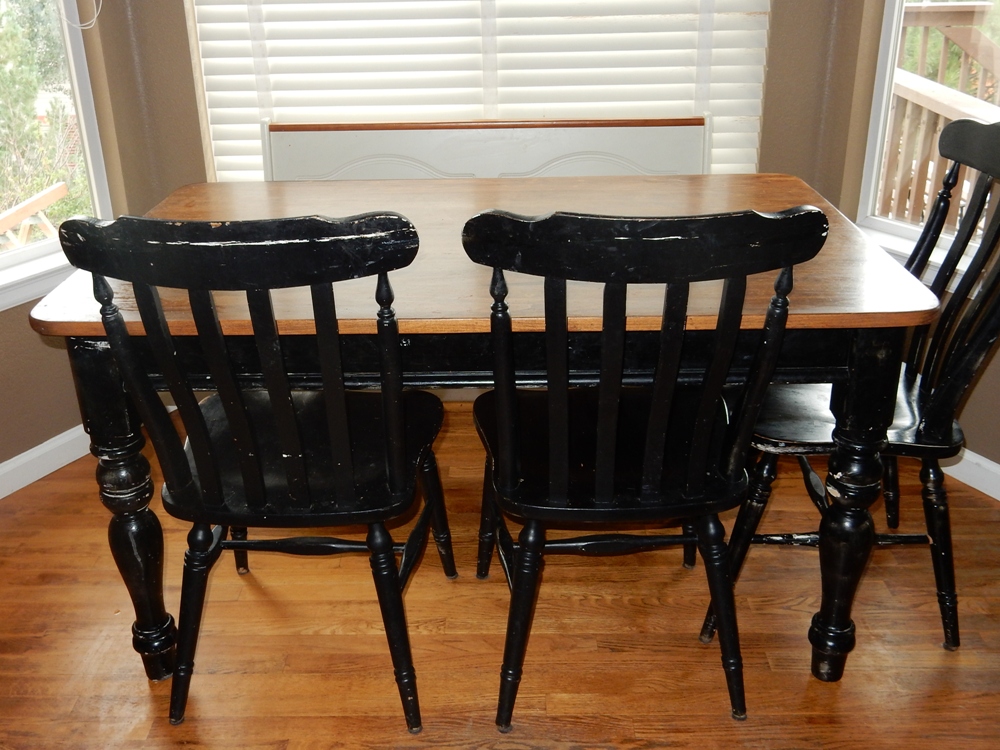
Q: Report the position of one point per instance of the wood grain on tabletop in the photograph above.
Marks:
(852, 282)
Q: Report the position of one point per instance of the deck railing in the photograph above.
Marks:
(18, 224)
(921, 106)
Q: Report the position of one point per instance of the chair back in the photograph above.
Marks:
(227, 264)
(947, 356)
(617, 252)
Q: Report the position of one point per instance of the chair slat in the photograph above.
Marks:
(265, 332)
(963, 237)
(612, 361)
(504, 385)
(155, 324)
(151, 410)
(726, 332)
(675, 301)
(959, 311)
(964, 364)
(332, 371)
(764, 363)
(916, 357)
(931, 232)
(948, 360)
(556, 347)
(392, 385)
(213, 346)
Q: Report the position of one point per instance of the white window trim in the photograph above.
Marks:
(45, 265)
(895, 237)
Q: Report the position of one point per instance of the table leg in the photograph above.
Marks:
(123, 479)
(863, 407)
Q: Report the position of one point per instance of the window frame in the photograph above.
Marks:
(33, 271)
(895, 237)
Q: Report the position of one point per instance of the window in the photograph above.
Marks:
(939, 62)
(49, 169)
(411, 60)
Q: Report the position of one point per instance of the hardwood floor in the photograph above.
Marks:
(294, 656)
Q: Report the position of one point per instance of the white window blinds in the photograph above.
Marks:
(417, 60)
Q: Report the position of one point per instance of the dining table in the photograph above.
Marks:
(850, 309)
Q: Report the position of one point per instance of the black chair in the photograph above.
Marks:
(590, 451)
(941, 362)
(260, 451)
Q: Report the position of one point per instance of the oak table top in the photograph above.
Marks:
(852, 283)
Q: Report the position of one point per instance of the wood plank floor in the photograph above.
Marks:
(293, 655)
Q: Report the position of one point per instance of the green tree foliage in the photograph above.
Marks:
(953, 60)
(39, 22)
(36, 153)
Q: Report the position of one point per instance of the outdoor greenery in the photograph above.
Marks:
(953, 65)
(37, 152)
(906, 192)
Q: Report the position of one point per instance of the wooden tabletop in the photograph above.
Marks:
(852, 283)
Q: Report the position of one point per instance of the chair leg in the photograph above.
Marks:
(390, 601)
(203, 551)
(690, 548)
(487, 524)
(939, 530)
(815, 486)
(527, 571)
(747, 521)
(434, 496)
(712, 544)
(239, 533)
(890, 491)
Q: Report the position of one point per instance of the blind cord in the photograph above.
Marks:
(98, 4)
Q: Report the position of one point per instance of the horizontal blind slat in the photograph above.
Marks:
(384, 60)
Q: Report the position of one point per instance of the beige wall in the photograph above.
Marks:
(818, 88)
(979, 415)
(818, 91)
(140, 68)
(141, 74)
(38, 399)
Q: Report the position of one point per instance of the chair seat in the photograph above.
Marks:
(533, 499)
(372, 498)
(797, 419)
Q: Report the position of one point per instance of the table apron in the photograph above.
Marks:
(466, 360)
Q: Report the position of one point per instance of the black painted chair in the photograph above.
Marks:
(260, 451)
(589, 451)
(941, 362)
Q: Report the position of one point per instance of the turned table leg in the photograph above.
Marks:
(123, 479)
(846, 537)
(863, 407)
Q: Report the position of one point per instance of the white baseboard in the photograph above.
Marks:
(43, 459)
(974, 470)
